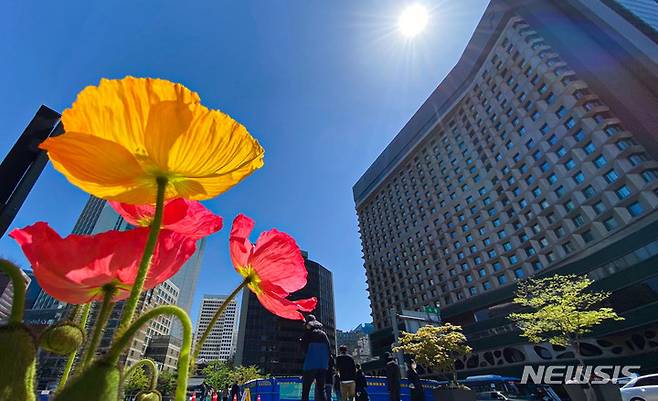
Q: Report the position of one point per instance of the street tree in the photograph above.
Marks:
(436, 347)
(219, 374)
(560, 310)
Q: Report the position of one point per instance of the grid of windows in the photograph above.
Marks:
(527, 169)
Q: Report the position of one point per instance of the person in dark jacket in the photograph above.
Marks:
(329, 378)
(361, 385)
(316, 348)
(415, 385)
(392, 377)
(235, 391)
(347, 372)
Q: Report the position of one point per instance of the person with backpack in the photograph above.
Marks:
(347, 372)
(316, 349)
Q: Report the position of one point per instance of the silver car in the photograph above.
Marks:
(643, 388)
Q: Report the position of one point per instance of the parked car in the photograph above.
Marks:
(643, 388)
(491, 395)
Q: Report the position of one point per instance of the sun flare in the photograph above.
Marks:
(413, 20)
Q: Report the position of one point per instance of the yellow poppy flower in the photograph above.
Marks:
(123, 134)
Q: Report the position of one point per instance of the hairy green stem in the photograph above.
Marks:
(153, 382)
(101, 321)
(124, 339)
(147, 256)
(72, 355)
(215, 318)
(18, 284)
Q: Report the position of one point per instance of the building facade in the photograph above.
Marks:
(536, 155)
(221, 342)
(272, 343)
(7, 293)
(164, 351)
(186, 280)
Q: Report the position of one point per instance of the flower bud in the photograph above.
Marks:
(99, 382)
(62, 339)
(18, 353)
(148, 395)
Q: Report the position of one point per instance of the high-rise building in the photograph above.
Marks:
(536, 155)
(33, 290)
(643, 13)
(22, 166)
(7, 293)
(221, 342)
(186, 279)
(164, 351)
(271, 342)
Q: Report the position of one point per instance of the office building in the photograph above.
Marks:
(536, 155)
(7, 293)
(24, 163)
(186, 280)
(271, 342)
(164, 351)
(220, 344)
(33, 290)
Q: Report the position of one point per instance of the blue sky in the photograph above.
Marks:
(323, 85)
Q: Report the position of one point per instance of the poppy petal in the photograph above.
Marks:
(286, 308)
(98, 166)
(239, 244)
(183, 216)
(118, 109)
(73, 269)
(277, 259)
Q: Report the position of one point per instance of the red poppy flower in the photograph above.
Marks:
(274, 266)
(74, 269)
(183, 216)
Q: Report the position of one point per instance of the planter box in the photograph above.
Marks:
(453, 394)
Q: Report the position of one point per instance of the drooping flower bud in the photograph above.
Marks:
(18, 353)
(148, 395)
(99, 382)
(62, 339)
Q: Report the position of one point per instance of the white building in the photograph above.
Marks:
(222, 341)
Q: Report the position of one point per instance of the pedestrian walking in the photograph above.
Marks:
(225, 392)
(361, 385)
(415, 385)
(316, 349)
(392, 377)
(235, 391)
(347, 372)
(329, 378)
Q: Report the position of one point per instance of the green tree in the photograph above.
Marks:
(167, 382)
(560, 310)
(436, 347)
(137, 381)
(218, 374)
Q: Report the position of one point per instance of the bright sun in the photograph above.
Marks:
(413, 19)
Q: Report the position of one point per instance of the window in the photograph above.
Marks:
(589, 191)
(600, 161)
(611, 176)
(570, 123)
(588, 236)
(635, 209)
(544, 167)
(544, 129)
(507, 246)
(637, 158)
(513, 259)
(649, 175)
(537, 265)
(482, 272)
(589, 148)
(580, 135)
(497, 266)
(579, 177)
(568, 247)
(561, 111)
(502, 279)
(561, 151)
(599, 207)
(610, 224)
(578, 220)
(543, 242)
(519, 273)
(552, 139)
(570, 164)
(569, 205)
(552, 178)
(486, 285)
(623, 192)
(560, 191)
(536, 191)
(501, 234)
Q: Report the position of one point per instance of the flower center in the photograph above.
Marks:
(252, 277)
